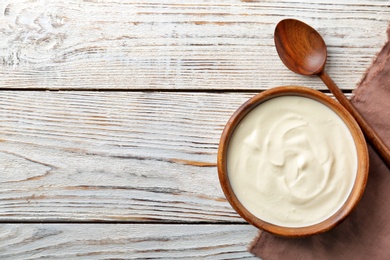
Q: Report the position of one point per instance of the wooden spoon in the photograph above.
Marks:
(302, 50)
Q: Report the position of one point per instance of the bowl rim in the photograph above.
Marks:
(362, 156)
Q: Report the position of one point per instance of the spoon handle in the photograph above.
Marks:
(368, 131)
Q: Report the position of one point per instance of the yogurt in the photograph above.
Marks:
(292, 161)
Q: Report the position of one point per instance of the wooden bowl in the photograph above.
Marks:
(362, 162)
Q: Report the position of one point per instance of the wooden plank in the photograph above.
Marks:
(177, 45)
(124, 241)
(113, 156)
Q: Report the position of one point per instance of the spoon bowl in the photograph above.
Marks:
(300, 47)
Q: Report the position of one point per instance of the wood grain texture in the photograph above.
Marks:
(95, 241)
(113, 156)
(177, 45)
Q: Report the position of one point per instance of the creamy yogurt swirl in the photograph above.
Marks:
(292, 161)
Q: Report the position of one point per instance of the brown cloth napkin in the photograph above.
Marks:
(365, 234)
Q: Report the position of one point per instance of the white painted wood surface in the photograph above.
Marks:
(177, 44)
(111, 241)
(120, 163)
(113, 156)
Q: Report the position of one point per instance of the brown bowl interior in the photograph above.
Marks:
(362, 155)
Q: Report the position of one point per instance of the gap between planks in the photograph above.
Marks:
(326, 91)
(197, 223)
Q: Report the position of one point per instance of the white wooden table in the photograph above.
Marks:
(111, 113)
